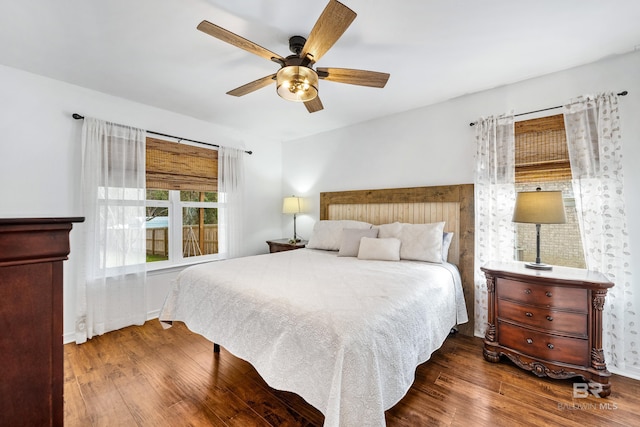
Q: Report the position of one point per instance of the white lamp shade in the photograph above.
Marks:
(291, 205)
(539, 207)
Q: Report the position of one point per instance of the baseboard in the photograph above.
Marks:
(70, 337)
(629, 372)
(153, 314)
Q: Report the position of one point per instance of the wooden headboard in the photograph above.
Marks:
(453, 204)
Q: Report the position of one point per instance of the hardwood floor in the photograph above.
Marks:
(147, 376)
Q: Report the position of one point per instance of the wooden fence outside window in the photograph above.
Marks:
(158, 245)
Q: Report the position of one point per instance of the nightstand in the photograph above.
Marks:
(547, 322)
(280, 245)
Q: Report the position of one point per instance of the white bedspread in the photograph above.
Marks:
(343, 333)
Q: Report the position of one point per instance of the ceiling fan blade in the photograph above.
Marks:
(234, 39)
(314, 105)
(354, 77)
(253, 86)
(332, 23)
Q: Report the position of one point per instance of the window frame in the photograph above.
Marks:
(103, 193)
(175, 232)
(175, 167)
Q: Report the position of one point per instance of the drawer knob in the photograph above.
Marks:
(529, 341)
(527, 291)
(548, 293)
(549, 318)
(529, 314)
(550, 346)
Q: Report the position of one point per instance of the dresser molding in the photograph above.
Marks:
(547, 322)
(31, 254)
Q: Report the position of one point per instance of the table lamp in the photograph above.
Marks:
(539, 207)
(292, 205)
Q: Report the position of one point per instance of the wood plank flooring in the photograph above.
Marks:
(147, 376)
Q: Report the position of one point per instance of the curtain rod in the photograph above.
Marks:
(79, 117)
(623, 93)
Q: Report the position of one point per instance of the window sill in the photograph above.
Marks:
(166, 267)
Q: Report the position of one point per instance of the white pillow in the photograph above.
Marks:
(447, 237)
(350, 243)
(422, 242)
(419, 242)
(388, 230)
(327, 234)
(387, 249)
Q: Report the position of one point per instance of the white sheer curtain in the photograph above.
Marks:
(595, 152)
(111, 290)
(231, 196)
(494, 199)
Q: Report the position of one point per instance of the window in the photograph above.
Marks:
(182, 204)
(542, 160)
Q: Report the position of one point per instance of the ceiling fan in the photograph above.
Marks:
(296, 80)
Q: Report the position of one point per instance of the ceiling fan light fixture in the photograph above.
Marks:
(297, 83)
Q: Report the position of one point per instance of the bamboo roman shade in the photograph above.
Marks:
(173, 166)
(541, 150)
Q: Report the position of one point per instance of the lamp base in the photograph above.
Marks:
(538, 266)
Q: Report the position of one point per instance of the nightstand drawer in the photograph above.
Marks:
(544, 318)
(547, 296)
(544, 346)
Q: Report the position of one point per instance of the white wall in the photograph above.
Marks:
(435, 145)
(40, 151)
(40, 161)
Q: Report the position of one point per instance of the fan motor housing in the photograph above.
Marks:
(296, 44)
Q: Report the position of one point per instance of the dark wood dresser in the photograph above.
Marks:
(31, 383)
(280, 245)
(547, 322)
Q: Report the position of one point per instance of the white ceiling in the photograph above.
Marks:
(149, 51)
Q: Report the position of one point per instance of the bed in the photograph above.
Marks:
(344, 332)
